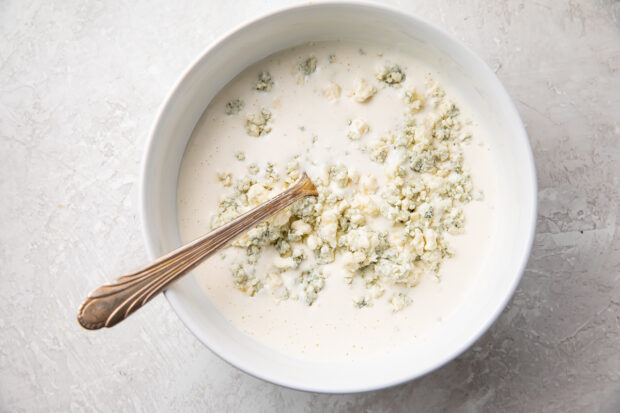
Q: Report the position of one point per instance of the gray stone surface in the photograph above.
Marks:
(80, 84)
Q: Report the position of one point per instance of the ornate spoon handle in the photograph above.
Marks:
(112, 303)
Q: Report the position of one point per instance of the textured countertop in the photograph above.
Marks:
(80, 85)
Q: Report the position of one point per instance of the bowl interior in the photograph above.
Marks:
(361, 23)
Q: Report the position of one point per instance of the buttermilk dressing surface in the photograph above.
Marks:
(339, 113)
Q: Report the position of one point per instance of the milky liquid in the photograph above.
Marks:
(332, 328)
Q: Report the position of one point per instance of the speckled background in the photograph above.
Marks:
(80, 84)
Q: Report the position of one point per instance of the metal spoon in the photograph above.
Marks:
(112, 303)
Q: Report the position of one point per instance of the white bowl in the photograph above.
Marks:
(363, 23)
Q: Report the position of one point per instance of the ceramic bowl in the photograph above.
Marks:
(359, 22)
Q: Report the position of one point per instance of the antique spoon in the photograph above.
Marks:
(112, 303)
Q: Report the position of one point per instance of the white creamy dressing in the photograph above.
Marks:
(332, 328)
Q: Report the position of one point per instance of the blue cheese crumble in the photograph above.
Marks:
(234, 106)
(391, 75)
(257, 124)
(421, 196)
(308, 66)
(264, 83)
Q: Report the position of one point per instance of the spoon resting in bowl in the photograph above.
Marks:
(112, 303)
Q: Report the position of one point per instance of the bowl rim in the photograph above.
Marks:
(149, 237)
